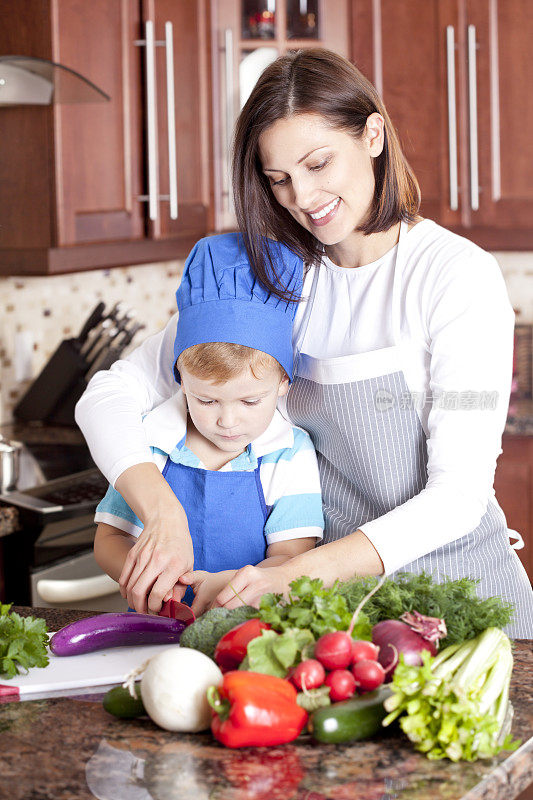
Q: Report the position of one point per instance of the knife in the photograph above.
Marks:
(108, 355)
(94, 337)
(130, 333)
(93, 319)
(101, 345)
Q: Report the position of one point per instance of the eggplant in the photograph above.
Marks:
(115, 630)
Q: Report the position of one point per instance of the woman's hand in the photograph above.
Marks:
(161, 555)
(250, 583)
(163, 551)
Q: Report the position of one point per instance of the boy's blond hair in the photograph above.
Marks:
(221, 361)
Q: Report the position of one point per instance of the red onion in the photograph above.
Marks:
(430, 628)
(394, 637)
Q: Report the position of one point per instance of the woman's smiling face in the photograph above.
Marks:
(322, 175)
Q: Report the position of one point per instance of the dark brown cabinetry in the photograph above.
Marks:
(514, 491)
(454, 75)
(74, 177)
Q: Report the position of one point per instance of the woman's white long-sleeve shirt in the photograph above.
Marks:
(456, 333)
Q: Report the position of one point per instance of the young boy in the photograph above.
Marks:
(247, 479)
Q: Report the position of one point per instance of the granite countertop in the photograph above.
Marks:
(70, 748)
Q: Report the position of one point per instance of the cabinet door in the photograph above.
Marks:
(98, 167)
(501, 32)
(410, 52)
(186, 67)
(514, 491)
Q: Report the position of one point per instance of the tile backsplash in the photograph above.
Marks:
(37, 313)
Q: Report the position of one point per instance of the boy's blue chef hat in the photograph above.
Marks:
(221, 300)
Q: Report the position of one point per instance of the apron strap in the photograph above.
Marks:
(397, 285)
(305, 321)
(265, 509)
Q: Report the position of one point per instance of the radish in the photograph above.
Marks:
(334, 650)
(341, 684)
(362, 649)
(368, 675)
(309, 674)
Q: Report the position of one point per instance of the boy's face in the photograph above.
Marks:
(232, 414)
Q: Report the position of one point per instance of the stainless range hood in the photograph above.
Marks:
(37, 81)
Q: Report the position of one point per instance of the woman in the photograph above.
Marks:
(403, 350)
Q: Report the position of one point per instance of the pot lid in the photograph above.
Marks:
(36, 81)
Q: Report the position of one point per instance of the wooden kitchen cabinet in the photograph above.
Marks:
(514, 491)
(455, 78)
(73, 175)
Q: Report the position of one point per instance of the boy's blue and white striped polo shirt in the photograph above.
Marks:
(288, 473)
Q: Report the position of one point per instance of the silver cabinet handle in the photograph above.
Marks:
(230, 113)
(151, 120)
(472, 105)
(452, 117)
(172, 166)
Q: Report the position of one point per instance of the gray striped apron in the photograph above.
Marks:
(372, 457)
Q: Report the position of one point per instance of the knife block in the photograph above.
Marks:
(54, 393)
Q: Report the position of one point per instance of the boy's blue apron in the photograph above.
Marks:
(226, 512)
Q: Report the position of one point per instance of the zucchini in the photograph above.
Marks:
(119, 702)
(354, 719)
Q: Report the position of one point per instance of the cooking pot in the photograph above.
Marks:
(10, 453)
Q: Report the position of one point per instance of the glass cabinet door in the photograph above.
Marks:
(247, 35)
(303, 19)
(258, 19)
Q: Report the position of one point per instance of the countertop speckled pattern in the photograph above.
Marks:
(71, 749)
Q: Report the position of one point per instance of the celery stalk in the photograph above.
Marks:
(456, 705)
(489, 646)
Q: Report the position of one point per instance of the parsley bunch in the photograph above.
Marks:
(313, 607)
(23, 642)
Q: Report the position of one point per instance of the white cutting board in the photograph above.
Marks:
(100, 668)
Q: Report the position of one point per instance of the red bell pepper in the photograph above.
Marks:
(231, 649)
(252, 709)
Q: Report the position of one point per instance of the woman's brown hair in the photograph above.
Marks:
(321, 82)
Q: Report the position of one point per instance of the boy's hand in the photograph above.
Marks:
(160, 556)
(206, 586)
(250, 583)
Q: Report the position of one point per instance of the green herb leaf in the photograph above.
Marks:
(466, 615)
(313, 607)
(275, 653)
(23, 642)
